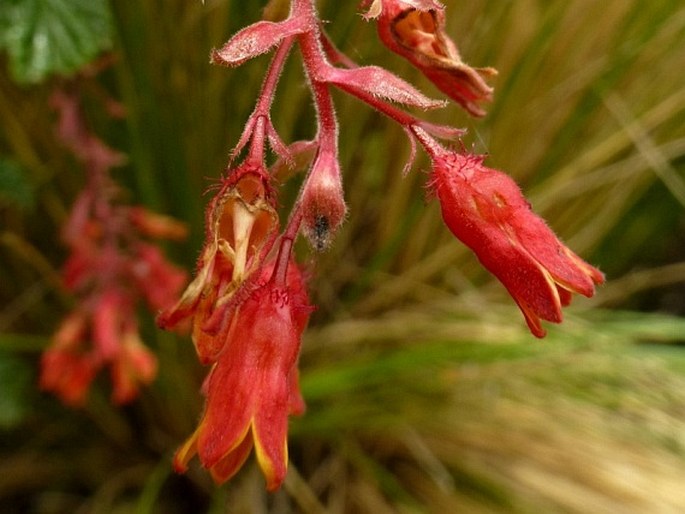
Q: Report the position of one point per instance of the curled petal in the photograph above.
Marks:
(187, 304)
(185, 453)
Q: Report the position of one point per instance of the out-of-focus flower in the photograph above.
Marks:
(415, 29)
(240, 221)
(110, 268)
(155, 277)
(486, 210)
(101, 331)
(157, 226)
(253, 387)
(67, 369)
(133, 365)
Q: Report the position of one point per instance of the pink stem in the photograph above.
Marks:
(256, 127)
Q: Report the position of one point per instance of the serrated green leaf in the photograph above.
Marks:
(14, 186)
(43, 37)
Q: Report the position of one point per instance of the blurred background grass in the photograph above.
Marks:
(425, 392)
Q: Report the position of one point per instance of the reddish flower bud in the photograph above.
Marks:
(322, 202)
(415, 29)
(485, 209)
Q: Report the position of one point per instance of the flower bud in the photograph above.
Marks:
(322, 202)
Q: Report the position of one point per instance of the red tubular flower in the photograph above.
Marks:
(486, 210)
(240, 221)
(253, 387)
(415, 29)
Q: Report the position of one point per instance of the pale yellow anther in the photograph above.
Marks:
(243, 220)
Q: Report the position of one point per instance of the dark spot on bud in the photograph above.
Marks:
(321, 232)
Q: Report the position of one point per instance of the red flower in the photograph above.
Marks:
(240, 220)
(100, 332)
(415, 29)
(253, 386)
(66, 368)
(485, 209)
(134, 364)
(109, 270)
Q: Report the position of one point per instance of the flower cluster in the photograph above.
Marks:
(110, 268)
(247, 306)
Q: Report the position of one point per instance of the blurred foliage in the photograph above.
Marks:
(43, 37)
(14, 187)
(425, 393)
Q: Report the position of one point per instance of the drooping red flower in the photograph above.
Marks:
(239, 221)
(415, 29)
(486, 210)
(253, 387)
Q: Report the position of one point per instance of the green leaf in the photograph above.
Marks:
(53, 36)
(14, 186)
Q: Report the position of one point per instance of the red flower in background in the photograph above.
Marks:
(107, 282)
(67, 368)
(252, 388)
(109, 270)
(486, 210)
